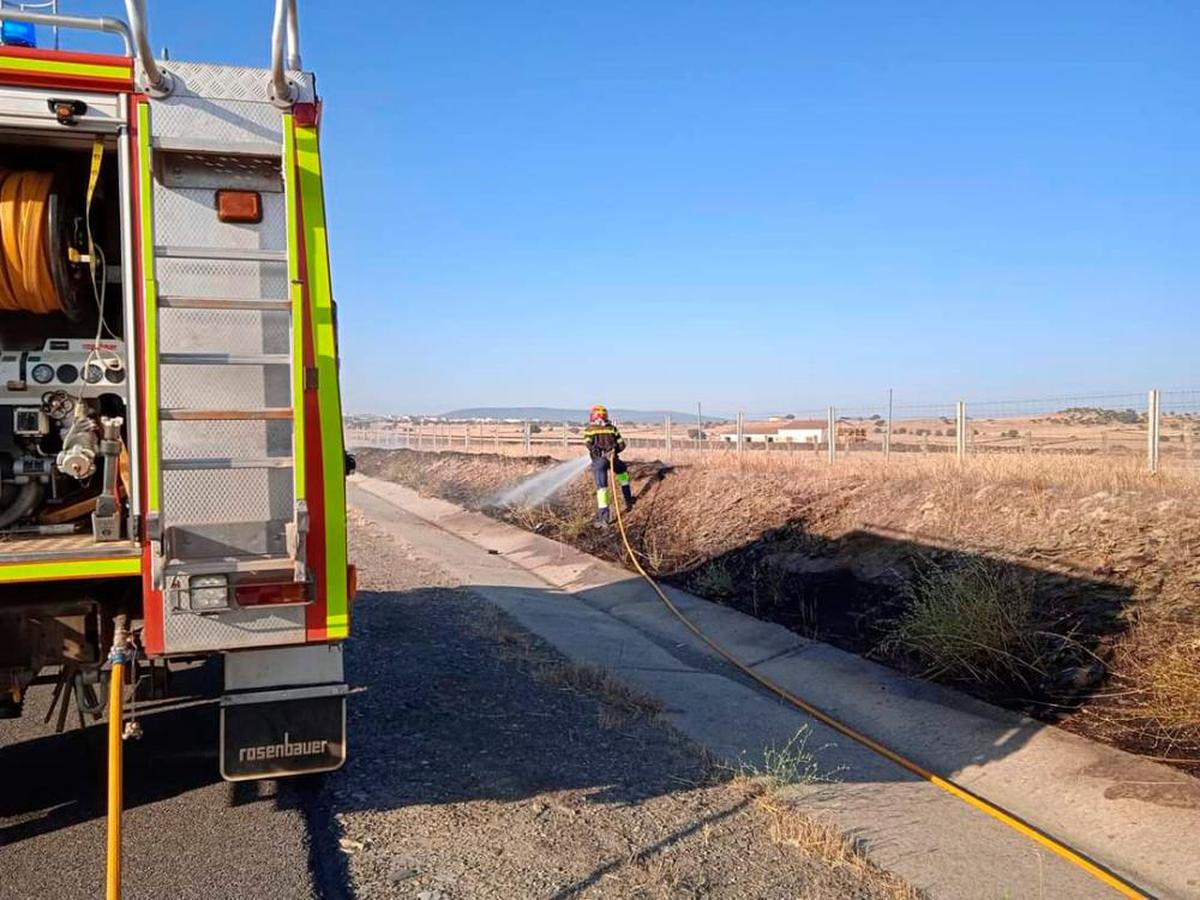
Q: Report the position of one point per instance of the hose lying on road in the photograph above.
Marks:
(1097, 871)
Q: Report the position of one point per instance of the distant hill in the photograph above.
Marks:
(556, 414)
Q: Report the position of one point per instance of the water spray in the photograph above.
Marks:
(542, 486)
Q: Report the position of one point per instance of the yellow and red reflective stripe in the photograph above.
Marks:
(320, 316)
(296, 288)
(149, 310)
(70, 569)
(79, 70)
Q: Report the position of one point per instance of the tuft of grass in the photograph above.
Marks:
(779, 766)
(813, 837)
(972, 621)
(714, 580)
(794, 764)
(1167, 703)
(619, 703)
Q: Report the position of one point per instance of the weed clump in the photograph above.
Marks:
(1166, 707)
(974, 622)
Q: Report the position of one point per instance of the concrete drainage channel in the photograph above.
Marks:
(1123, 812)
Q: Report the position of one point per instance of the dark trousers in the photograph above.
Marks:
(600, 474)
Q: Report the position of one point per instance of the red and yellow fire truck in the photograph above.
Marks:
(171, 458)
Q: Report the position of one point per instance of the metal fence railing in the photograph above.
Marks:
(1160, 427)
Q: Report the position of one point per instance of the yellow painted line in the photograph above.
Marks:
(1101, 874)
(150, 307)
(333, 457)
(66, 570)
(296, 286)
(58, 67)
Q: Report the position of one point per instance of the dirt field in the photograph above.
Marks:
(1117, 435)
(486, 765)
(1093, 570)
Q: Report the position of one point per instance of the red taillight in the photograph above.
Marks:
(307, 114)
(266, 594)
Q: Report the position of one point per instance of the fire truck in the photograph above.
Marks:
(172, 469)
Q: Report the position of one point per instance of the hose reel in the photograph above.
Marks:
(49, 262)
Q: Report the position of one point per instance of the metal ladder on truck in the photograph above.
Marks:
(221, 305)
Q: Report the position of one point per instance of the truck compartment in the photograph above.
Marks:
(67, 470)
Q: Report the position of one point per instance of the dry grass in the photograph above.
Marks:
(1073, 472)
(1111, 549)
(792, 764)
(1173, 686)
(619, 703)
(788, 826)
(1160, 700)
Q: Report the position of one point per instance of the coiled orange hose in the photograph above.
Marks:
(25, 281)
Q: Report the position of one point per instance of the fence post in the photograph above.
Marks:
(960, 431)
(667, 428)
(831, 433)
(741, 434)
(527, 437)
(1154, 429)
(887, 435)
(699, 428)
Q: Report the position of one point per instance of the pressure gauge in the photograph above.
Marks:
(42, 373)
(92, 373)
(67, 373)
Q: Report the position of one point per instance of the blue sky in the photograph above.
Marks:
(761, 205)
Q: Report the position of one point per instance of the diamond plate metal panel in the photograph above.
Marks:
(222, 279)
(223, 121)
(225, 387)
(217, 82)
(237, 331)
(188, 217)
(204, 496)
(187, 632)
(214, 440)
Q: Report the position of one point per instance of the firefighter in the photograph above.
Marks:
(602, 440)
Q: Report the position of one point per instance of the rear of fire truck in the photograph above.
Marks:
(171, 459)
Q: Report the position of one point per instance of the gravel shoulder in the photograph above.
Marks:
(486, 765)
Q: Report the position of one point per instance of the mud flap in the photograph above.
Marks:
(274, 734)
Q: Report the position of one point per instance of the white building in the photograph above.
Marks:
(779, 432)
(802, 431)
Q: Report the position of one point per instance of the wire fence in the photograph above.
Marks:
(1161, 428)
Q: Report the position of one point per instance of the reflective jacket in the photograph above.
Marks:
(602, 439)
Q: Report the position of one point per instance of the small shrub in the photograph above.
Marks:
(780, 766)
(972, 622)
(1173, 690)
(714, 580)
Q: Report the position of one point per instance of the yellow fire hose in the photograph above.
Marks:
(1097, 871)
(119, 658)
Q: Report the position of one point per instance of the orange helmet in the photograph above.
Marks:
(598, 415)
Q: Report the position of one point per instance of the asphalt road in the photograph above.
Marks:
(187, 833)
